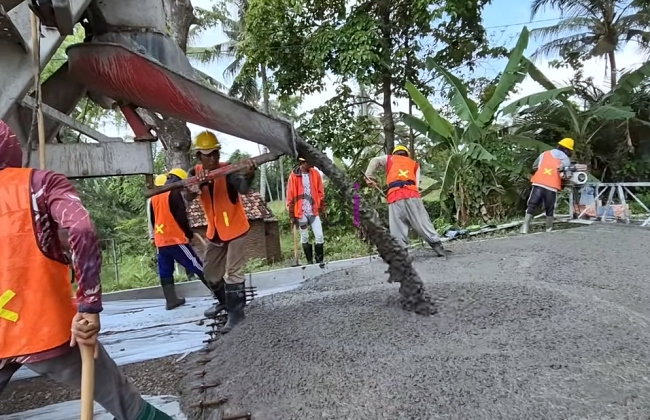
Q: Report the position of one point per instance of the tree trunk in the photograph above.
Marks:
(411, 133)
(265, 100)
(174, 133)
(612, 69)
(387, 78)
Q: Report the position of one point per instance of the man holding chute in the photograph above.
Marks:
(547, 181)
(227, 227)
(172, 235)
(405, 205)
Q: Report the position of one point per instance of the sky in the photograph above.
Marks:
(504, 22)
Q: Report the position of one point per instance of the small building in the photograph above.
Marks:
(263, 237)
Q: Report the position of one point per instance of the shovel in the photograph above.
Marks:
(87, 381)
(296, 262)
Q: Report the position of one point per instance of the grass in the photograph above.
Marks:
(135, 271)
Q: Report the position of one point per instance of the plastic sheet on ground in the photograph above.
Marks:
(70, 410)
(138, 330)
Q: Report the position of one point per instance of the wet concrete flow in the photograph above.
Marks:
(547, 326)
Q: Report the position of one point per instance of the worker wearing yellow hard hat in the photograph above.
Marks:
(160, 180)
(172, 235)
(547, 181)
(227, 226)
(405, 205)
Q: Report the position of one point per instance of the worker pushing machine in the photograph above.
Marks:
(405, 205)
(547, 181)
(227, 228)
(306, 203)
(40, 325)
(172, 235)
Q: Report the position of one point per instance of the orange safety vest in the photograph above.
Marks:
(548, 174)
(401, 178)
(227, 219)
(296, 189)
(36, 310)
(166, 231)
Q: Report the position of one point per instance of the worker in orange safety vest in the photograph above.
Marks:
(41, 326)
(405, 205)
(227, 226)
(172, 234)
(306, 205)
(547, 181)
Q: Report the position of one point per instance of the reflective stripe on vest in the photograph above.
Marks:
(548, 173)
(401, 174)
(35, 305)
(166, 231)
(228, 219)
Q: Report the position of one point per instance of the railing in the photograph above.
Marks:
(616, 206)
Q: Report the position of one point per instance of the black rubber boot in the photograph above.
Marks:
(309, 252)
(219, 293)
(438, 249)
(235, 301)
(320, 255)
(172, 301)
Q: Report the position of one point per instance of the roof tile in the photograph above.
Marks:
(254, 206)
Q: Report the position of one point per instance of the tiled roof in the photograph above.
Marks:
(254, 205)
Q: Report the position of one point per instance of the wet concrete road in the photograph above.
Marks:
(550, 326)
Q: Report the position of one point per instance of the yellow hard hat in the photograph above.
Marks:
(567, 143)
(179, 173)
(160, 180)
(206, 142)
(401, 148)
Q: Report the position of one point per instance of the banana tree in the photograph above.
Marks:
(469, 173)
(587, 123)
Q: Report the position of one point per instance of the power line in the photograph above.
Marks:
(297, 46)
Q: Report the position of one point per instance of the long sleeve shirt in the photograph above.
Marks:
(380, 162)
(58, 205)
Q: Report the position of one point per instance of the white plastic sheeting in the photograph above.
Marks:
(70, 410)
(138, 330)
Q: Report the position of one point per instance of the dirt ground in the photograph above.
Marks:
(547, 326)
(155, 377)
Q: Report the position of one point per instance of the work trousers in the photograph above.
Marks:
(225, 261)
(540, 196)
(113, 390)
(316, 226)
(183, 254)
(411, 212)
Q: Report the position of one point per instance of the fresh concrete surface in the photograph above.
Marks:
(545, 326)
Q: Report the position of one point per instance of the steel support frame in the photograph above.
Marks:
(615, 190)
(16, 66)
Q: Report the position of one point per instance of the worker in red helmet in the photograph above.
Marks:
(404, 202)
(41, 327)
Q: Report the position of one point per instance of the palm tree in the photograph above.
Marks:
(243, 87)
(590, 28)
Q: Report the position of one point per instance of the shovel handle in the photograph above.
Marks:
(87, 382)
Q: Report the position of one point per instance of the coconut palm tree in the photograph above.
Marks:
(590, 28)
(243, 86)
